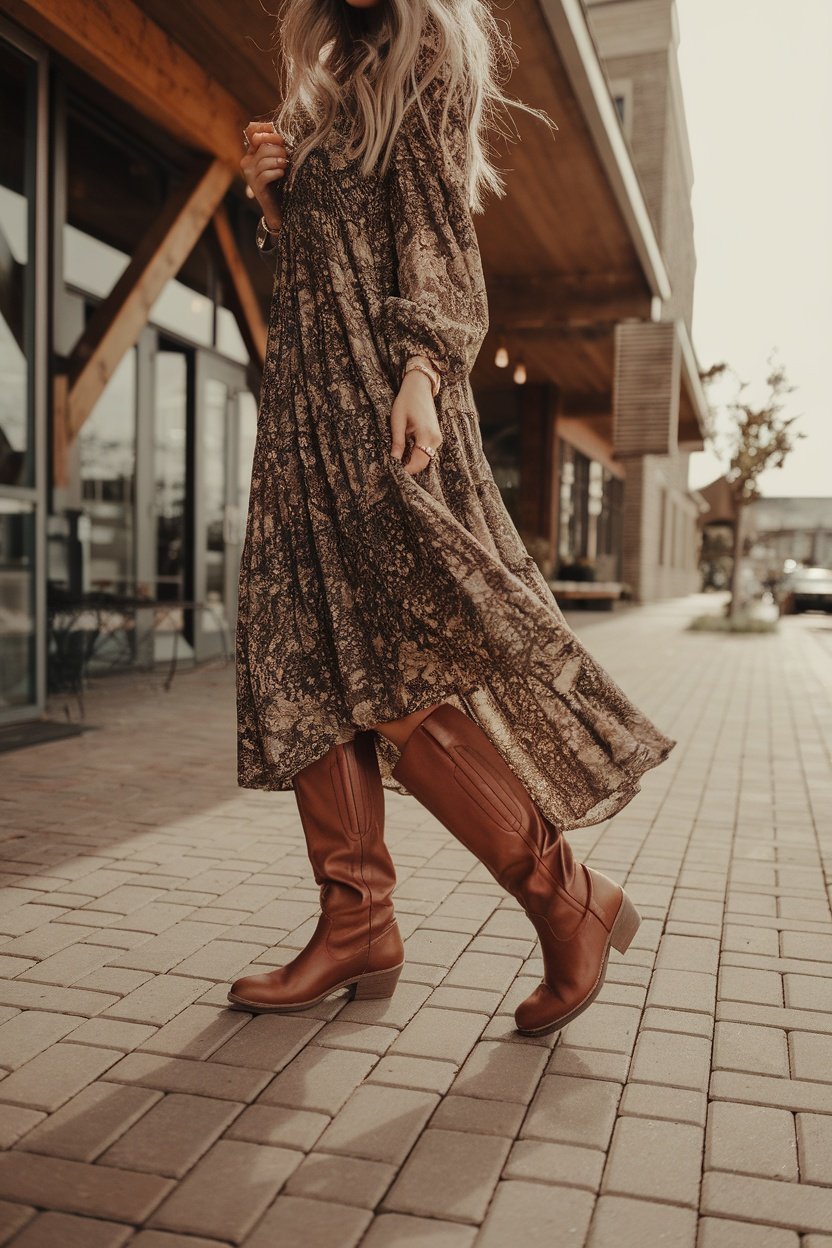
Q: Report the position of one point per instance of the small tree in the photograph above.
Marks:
(759, 438)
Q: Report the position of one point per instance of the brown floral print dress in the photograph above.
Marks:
(366, 593)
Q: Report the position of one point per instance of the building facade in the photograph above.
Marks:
(593, 447)
(637, 41)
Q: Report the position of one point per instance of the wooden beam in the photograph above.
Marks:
(246, 304)
(596, 406)
(558, 299)
(591, 440)
(589, 331)
(119, 46)
(117, 322)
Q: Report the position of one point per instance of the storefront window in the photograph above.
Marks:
(17, 622)
(185, 312)
(170, 471)
(214, 491)
(574, 508)
(17, 87)
(229, 339)
(589, 530)
(90, 265)
(19, 652)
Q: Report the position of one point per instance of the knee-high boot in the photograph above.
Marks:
(356, 943)
(453, 768)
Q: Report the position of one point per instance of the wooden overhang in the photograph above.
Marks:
(568, 253)
(571, 252)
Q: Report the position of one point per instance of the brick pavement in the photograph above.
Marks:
(691, 1106)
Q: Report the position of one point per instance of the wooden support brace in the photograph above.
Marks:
(117, 322)
(246, 304)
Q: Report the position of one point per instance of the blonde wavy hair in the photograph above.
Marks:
(364, 61)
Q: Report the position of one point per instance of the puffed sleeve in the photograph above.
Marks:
(440, 307)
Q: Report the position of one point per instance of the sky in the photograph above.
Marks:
(757, 84)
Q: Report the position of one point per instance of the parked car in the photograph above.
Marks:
(806, 589)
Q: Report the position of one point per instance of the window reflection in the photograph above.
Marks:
(16, 287)
(17, 632)
(215, 461)
(107, 448)
(89, 264)
(229, 339)
(184, 312)
(590, 519)
(169, 472)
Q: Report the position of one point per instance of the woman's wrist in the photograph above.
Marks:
(424, 365)
(265, 239)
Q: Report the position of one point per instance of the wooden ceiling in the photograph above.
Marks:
(234, 42)
(558, 224)
(559, 216)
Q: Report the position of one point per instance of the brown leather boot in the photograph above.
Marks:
(452, 767)
(356, 943)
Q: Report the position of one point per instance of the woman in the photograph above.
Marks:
(393, 630)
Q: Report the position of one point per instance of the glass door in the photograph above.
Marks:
(225, 425)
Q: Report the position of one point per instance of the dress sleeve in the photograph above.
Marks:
(440, 308)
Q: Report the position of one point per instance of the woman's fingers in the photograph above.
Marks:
(422, 436)
(398, 426)
(418, 461)
(266, 152)
(270, 144)
(270, 152)
(264, 162)
(256, 131)
(409, 424)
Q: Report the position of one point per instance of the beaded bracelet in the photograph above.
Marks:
(433, 374)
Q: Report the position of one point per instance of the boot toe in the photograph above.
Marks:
(253, 988)
(541, 1009)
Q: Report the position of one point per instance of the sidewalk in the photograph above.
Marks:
(690, 1106)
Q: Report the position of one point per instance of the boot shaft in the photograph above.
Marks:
(340, 800)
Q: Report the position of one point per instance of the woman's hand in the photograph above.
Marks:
(265, 160)
(414, 416)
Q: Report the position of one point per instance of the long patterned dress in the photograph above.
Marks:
(365, 592)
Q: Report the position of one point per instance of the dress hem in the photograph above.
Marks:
(282, 784)
(644, 759)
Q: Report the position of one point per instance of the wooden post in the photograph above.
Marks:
(60, 444)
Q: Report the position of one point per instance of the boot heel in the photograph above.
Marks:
(625, 926)
(376, 984)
